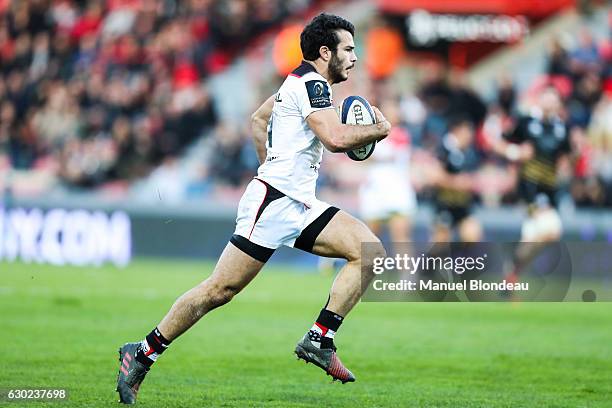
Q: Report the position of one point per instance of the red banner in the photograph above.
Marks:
(531, 8)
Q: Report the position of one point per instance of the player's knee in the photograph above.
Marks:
(545, 226)
(373, 250)
(441, 233)
(224, 294)
(379, 250)
(219, 294)
(365, 249)
(470, 230)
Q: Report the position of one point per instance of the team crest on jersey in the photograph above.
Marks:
(318, 94)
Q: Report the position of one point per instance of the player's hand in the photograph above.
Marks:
(434, 175)
(380, 118)
(527, 151)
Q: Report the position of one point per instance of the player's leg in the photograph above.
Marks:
(542, 227)
(341, 236)
(239, 263)
(444, 221)
(375, 225)
(399, 233)
(234, 270)
(470, 229)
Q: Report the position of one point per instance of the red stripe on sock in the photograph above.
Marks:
(128, 357)
(124, 371)
(323, 328)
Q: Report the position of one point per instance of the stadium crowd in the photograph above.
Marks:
(99, 94)
(581, 73)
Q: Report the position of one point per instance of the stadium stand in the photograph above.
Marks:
(105, 96)
(95, 94)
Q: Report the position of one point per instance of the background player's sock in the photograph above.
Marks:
(322, 332)
(151, 347)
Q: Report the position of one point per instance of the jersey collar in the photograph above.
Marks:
(303, 69)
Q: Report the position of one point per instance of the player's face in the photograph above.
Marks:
(465, 135)
(550, 103)
(343, 59)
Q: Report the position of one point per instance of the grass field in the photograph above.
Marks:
(61, 327)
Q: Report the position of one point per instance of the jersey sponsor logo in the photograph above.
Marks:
(278, 98)
(318, 94)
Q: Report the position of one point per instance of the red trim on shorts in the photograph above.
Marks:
(257, 212)
(294, 75)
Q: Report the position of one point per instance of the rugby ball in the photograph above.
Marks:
(355, 110)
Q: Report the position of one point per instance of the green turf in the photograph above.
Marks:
(61, 327)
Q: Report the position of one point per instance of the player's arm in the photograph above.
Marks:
(570, 153)
(513, 152)
(565, 167)
(513, 147)
(463, 182)
(338, 137)
(259, 127)
(439, 177)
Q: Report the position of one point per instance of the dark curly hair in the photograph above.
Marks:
(321, 31)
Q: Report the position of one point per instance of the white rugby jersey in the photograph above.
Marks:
(293, 151)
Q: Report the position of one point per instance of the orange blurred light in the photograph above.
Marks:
(384, 49)
(287, 53)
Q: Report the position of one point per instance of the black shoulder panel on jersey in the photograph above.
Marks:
(303, 69)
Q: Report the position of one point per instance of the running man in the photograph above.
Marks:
(388, 177)
(279, 207)
(455, 196)
(540, 145)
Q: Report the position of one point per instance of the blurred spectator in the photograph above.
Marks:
(103, 92)
(447, 95)
(558, 60)
(233, 160)
(109, 89)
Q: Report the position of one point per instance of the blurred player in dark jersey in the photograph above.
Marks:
(454, 194)
(539, 144)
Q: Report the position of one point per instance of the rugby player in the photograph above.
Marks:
(455, 196)
(540, 145)
(279, 207)
(388, 177)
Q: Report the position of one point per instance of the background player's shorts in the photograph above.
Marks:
(268, 219)
(545, 223)
(531, 193)
(451, 216)
(385, 198)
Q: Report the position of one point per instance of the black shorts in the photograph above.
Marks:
(452, 216)
(534, 193)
